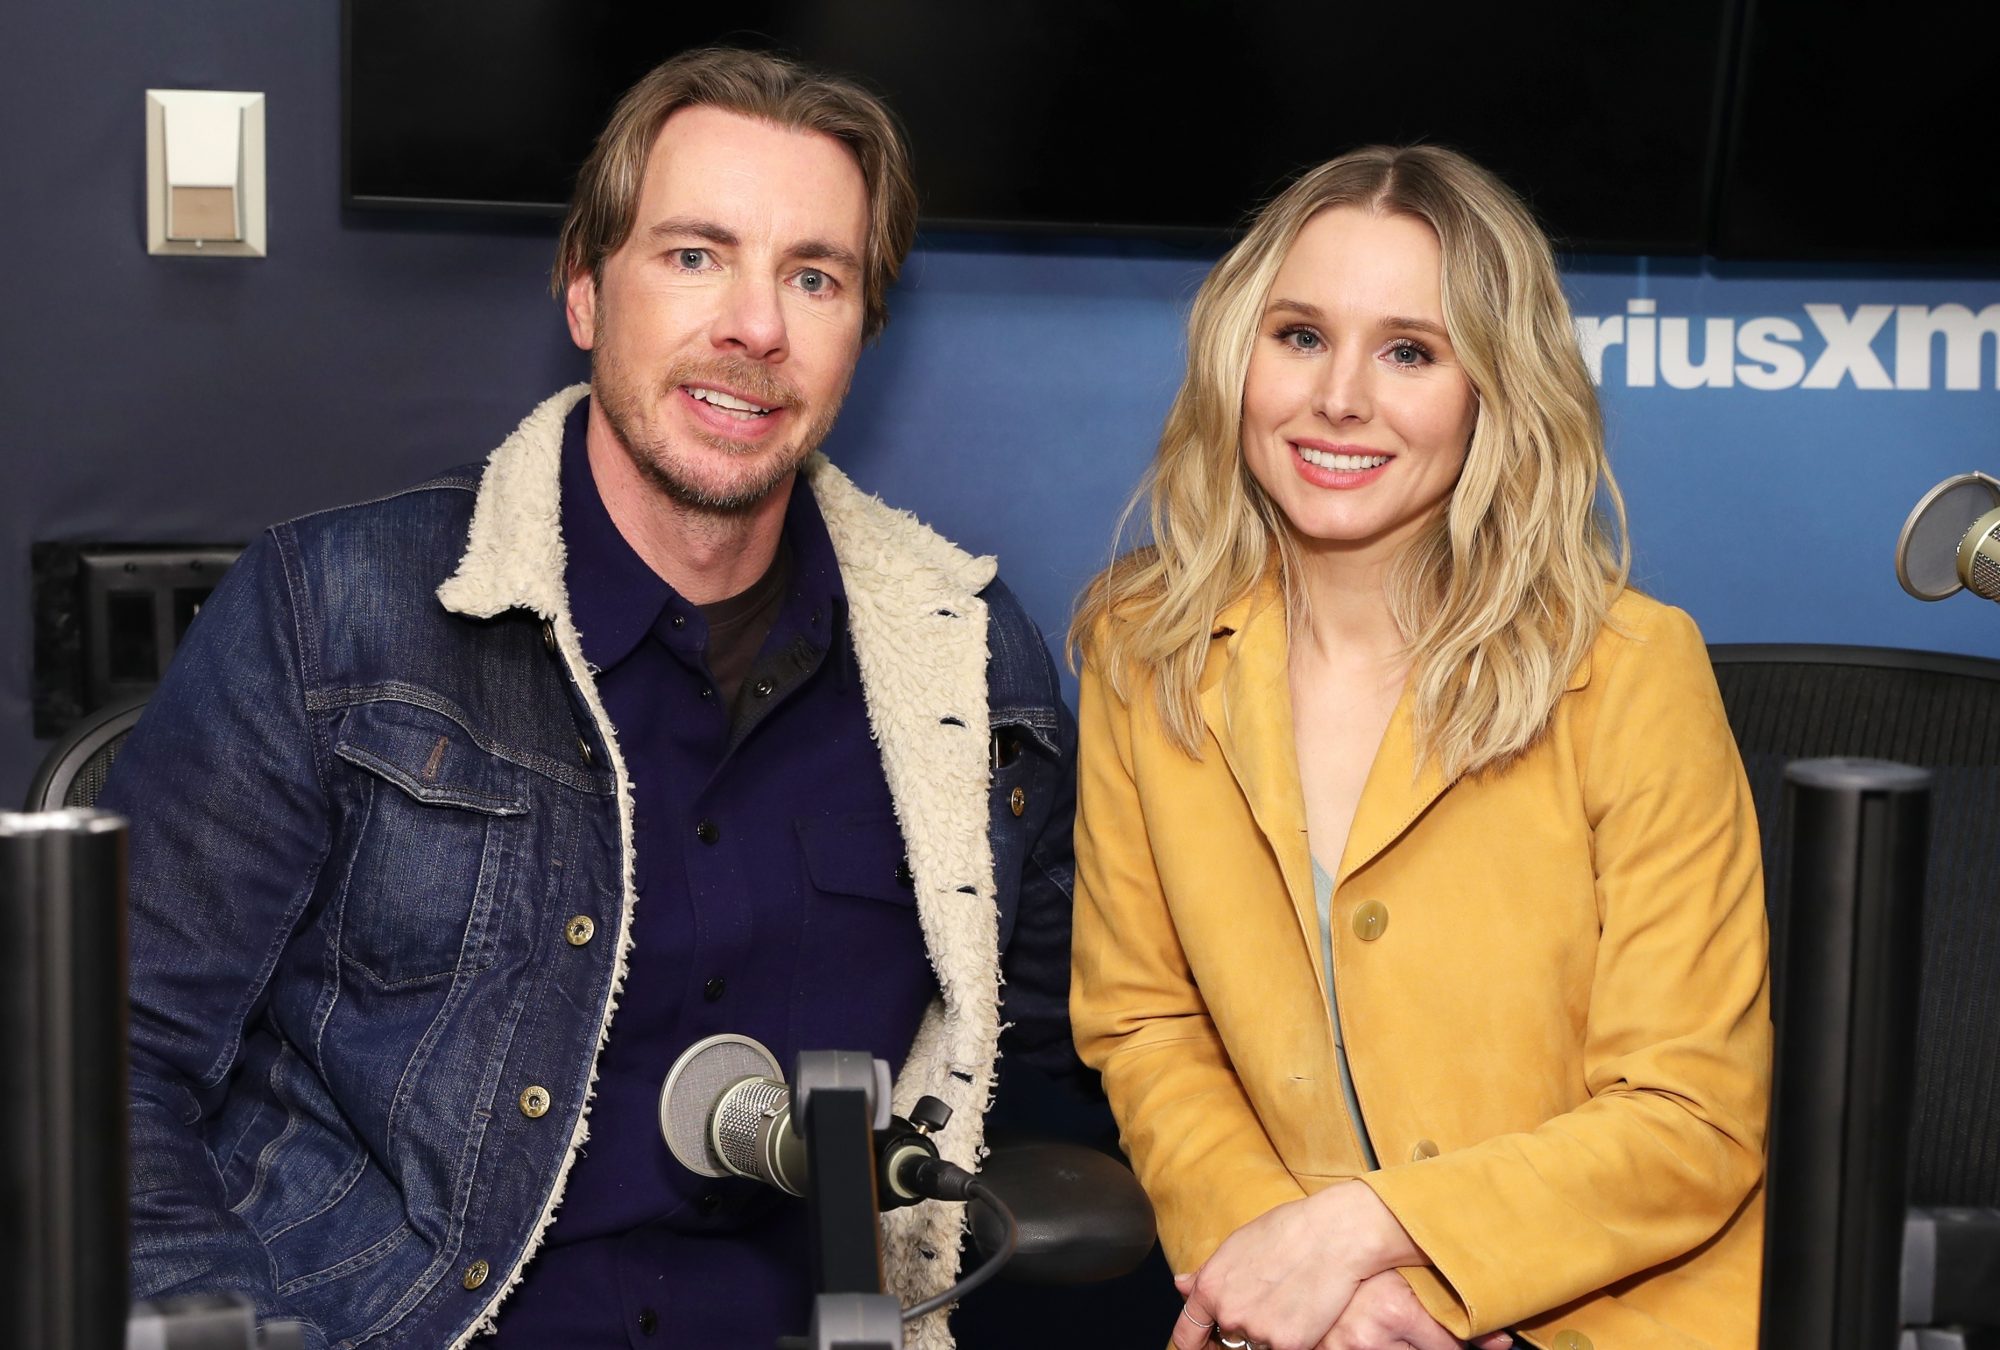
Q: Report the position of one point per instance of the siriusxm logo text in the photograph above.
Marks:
(1771, 352)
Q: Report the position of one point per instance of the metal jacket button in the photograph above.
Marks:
(584, 746)
(475, 1275)
(535, 1103)
(1018, 801)
(579, 930)
(1371, 919)
(1423, 1149)
(549, 636)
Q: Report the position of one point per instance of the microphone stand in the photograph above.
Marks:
(837, 1108)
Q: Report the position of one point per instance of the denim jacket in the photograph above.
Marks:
(381, 863)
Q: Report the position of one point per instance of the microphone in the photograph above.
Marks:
(1951, 542)
(725, 1111)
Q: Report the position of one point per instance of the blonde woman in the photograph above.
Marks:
(1420, 932)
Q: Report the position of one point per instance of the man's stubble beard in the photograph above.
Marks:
(652, 451)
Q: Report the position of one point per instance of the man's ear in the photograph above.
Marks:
(580, 307)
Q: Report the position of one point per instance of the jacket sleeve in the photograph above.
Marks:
(221, 782)
(1669, 1143)
(1184, 1119)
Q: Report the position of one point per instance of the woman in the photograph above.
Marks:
(1420, 932)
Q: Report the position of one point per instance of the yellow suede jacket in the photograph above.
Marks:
(1552, 981)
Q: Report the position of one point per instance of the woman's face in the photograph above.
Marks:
(1356, 415)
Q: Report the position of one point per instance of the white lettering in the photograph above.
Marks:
(1597, 336)
(1917, 330)
(1718, 349)
(1765, 341)
(1639, 344)
(1847, 350)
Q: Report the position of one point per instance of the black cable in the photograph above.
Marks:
(973, 1190)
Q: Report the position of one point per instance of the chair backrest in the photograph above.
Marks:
(1941, 712)
(74, 770)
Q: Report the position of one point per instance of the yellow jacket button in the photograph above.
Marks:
(535, 1103)
(579, 930)
(475, 1275)
(1570, 1340)
(1371, 919)
(1018, 801)
(1423, 1149)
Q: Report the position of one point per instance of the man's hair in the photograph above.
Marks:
(1502, 595)
(605, 205)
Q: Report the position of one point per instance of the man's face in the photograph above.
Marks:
(724, 332)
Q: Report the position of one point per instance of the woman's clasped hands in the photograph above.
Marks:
(1314, 1274)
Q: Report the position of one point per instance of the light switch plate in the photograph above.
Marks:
(205, 205)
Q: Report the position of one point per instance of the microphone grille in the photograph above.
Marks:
(696, 1085)
(1979, 557)
(737, 1121)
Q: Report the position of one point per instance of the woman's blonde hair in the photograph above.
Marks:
(1501, 597)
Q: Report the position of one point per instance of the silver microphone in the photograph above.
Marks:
(1951, 542)
(725, 1111)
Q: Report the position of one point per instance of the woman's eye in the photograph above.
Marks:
(1300, 339)
(1408, 354)
(693, 259)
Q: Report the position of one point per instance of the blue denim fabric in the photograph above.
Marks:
(361, 825)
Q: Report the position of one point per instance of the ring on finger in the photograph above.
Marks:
(1195, 1321)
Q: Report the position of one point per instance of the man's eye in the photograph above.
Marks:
(812, 282)
(693, 259)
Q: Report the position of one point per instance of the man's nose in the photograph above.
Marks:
(751, 320)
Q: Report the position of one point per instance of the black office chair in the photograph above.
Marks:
(1941, 712)
(73, 772)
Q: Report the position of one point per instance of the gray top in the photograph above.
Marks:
(1323, 899)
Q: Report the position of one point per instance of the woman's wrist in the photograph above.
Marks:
(1367, 1234)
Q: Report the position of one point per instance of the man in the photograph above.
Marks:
(655, 713)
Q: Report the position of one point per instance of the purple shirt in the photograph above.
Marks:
(771, 903)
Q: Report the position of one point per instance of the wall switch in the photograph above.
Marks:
(205, 173)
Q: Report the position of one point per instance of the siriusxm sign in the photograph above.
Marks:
(1829, 346)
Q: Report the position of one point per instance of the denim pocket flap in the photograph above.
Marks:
(432, 758)
(857, 855)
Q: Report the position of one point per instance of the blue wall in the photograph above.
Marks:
(1012, 401)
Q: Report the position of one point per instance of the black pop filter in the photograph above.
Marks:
(1927, 551)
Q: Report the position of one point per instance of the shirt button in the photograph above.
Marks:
(649, 1321)
(712, 991)
(763, 688)
(706, 832)
(535, 1103)
(707, 692)
(475, 1275)
(709, 1203)
(1371, 918)
(579, 930)
(1018, 801)
(1423, 1149)
(680, 620)
(1570, 1340)
(904, 877)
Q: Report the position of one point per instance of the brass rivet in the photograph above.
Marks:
(579, 930)
(1423, 1149)
(535, 1102)
(1371, 920)
(1018, 801)
(475, 1275)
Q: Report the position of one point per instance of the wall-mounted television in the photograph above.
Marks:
(1632, 127)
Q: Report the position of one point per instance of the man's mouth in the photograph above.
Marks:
(742, 409)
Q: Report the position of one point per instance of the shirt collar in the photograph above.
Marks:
(615, 598)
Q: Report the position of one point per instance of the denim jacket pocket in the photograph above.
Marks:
(433, 844)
